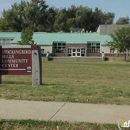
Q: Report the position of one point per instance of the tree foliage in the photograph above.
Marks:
(38, 16)
(122, 20)
(25, 14)
(26, 37)
(81, 17)
(121, 40)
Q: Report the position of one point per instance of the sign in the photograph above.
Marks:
(21, 60)
(16, 61)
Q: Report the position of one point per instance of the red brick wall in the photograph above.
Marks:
(59, 54)
(76, 45)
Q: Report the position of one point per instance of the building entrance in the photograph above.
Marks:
(76, 52)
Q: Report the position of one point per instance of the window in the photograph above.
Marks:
(82, 51)
(112, 50)
(69, 51)
(4, 42)
(59, 47)
(42, 51)
(93, 47)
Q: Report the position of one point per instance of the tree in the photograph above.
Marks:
(81, 17)
(109, 17)
(61, 20)
(71, 21)
(123, 20)
(26, 37)
(3, 25)
(13, 19)
(98, 18)
(25, 14)
(84, 18)
(121, 40)
(36, 13)
(38, 16)
(50, 19)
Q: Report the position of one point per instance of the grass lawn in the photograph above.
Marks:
(105, 82)
(48, 125)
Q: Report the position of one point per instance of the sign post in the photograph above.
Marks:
(36, 66)
(21, 60)
(0, 64)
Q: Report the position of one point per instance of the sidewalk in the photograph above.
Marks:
(52, 111)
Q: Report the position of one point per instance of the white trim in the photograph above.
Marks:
(25, 46)
(12, 69)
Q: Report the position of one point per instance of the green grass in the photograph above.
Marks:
(119, 59)
(105, 82)
(48, 125)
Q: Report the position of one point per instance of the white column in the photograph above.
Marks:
(36, 68)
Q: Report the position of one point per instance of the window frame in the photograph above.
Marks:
(93, 47)
(59, 47)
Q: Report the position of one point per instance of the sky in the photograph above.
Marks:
(121, 8)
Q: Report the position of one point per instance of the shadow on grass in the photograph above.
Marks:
(30, 83)
(127, 60)
(17, 82)
(53, 84)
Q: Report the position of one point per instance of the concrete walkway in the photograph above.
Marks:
(52, 111)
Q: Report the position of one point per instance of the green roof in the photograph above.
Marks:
(41, 38)
(7, 35)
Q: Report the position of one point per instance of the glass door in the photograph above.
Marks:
(73, 52)
(76, 52)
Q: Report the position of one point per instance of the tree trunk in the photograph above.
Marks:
(125, 56)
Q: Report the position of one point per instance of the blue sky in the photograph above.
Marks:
(121, 8)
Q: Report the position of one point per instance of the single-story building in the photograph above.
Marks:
(73, 44)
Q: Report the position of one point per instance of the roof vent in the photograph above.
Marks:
(83, 30)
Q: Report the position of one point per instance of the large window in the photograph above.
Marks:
(112, 50)
(5, 41)
(83, 52)
(42, 51)
(93, 47)
(59, 47)
(70, 52)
